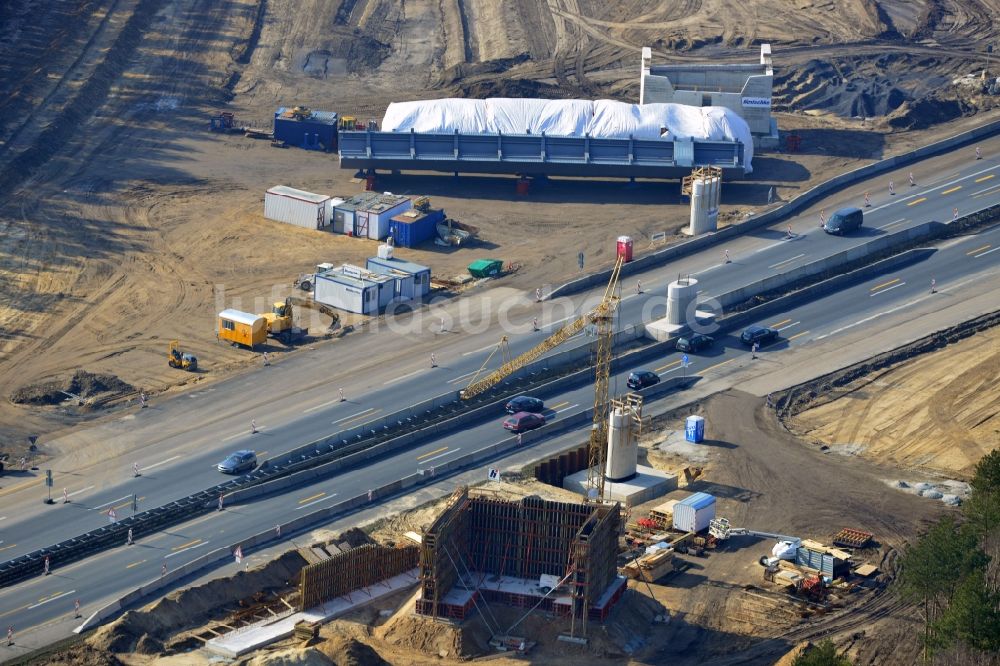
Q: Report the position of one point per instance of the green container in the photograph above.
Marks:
(482, 268)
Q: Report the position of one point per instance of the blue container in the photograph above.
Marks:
(694, 429)
(412, 231)
(318, 132)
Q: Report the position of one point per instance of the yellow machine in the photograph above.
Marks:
(178, 359)
(281, 320)
(348, 122)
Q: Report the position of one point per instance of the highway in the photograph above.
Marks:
(172, 471)
(168, 475)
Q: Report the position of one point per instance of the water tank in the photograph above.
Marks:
(385, 251)
(623, 449)
(681, 295)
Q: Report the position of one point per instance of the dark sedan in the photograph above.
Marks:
(694, 343)
(525, 403)
(759, 334)
(238, 462)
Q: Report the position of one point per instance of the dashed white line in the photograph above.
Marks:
(162, 462)
(352, 416)
(184, 550)
(101, 506)
(440, 455)
(560, 411)
(902, 219)
(786, 261)
(882, 291)
(402, 377)
(794, 323)
(321, 499)
(242, 434)
(58, 596)
(74, 493)
(321, 406)
(983, 254)
(481, 349)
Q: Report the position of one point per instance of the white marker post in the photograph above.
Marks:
(979, 153)
(76, 609)
(892, 188)
(46, 571)
(370, 495)
(822, 218)
(220, 502)
(954, 214)
(238, 554)
(538, 295)
(163, 570)
(128, 539)
(728, 260)
(913, 183)
(342, 398)
(65, 497)
(10, 635)
(135, 470)
(253, 426)
(112, 516)
(434, 360)
(868, 200)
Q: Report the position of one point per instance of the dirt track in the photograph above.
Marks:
(129, 219)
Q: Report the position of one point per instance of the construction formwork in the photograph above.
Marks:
(484, 548)
(351, 571)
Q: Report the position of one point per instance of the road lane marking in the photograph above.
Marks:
(795, 323)
(919, 200)
(884, 284)
(979, 249)
(76, 492)
(352, 416)
(481, 349)
(564, 409)
(668, 365)
(718, 365)
(792, 337)
(317, 501)
(129, 503)
(979, 180)
(448, 453)
(3, 517)
(786, 261)
(877, 293)
(430, 453)
(196, 545)
(242, 434)
(359, 418)
(558, 405)
(162, 462)
(884, 226)
(462, 377)
(987, 191)
(134, 564)
(52, 598)
(983, 254)
(779, 323)
(402, 377)
(953, 189)
(186, 545)
(311, 497)
(101, 506)
(8, 547)
(937, 187)
(321, 406)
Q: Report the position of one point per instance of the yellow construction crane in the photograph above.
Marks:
(602, 316)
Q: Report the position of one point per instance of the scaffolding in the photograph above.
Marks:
(351, 571)
(486, 549)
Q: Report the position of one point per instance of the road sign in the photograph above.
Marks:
(135, 504)
(48, 478)
(685, 361)
(494, 474)
(579, 260)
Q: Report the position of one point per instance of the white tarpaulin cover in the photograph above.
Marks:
(602, 118)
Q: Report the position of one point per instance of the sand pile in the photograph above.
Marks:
(346, 651)
(82, 383)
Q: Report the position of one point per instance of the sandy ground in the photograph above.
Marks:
(131, 225)
(937, 412)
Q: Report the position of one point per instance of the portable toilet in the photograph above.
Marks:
(694, 429)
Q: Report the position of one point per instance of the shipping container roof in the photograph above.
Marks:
(698, 501)
(400, 265)
(350, 280)
(302, 195)
(239, 317)
(373, 201)
(350, 270)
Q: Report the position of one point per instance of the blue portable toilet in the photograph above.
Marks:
(694, 429)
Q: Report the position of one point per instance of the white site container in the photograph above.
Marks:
(297, 207)
(693, 513)
(347, 293)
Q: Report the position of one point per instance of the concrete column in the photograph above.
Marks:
(680, 295)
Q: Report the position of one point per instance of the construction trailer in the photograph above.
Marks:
(304, 128)
(387, 285)
(369, 214)
(298, 207)
(420, 275)
(694, 513)
(242, 328)
(413, 227)
(486, 549)
(347, 293)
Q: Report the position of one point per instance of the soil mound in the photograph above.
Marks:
(922, 113)
(82, 383)
(83, 655)
(346, 651)
(293, 657)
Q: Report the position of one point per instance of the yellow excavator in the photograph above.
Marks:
(178, 359)
(281, 320)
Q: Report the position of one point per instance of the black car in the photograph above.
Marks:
(758, 334)
(694, 343)
(640, 379)
(525, 403)
(844, 221)
(237, 462)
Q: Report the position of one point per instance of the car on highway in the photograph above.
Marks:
(525, 403)
(238, 462)
(758, 334)
(640, 379)
(844, 220)
(523, 421)
(694, 343)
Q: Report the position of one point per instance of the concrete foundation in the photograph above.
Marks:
(662, 330)
(647, 484)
